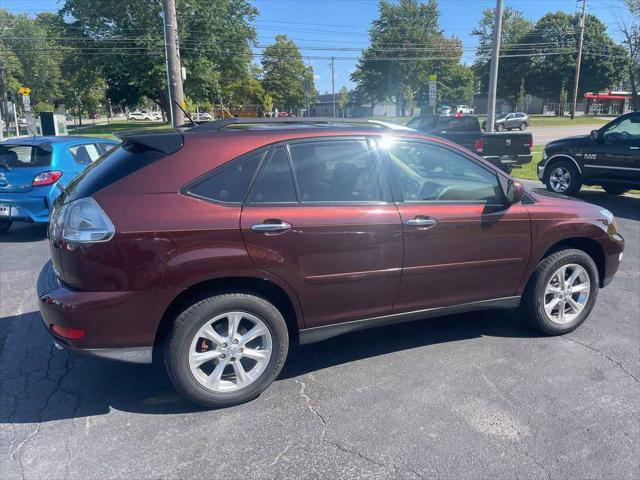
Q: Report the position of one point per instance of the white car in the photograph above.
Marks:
(137, 115)
(202, 117)
(464, 109)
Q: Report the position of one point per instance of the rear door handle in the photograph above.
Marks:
(275, 226)
(421, 221)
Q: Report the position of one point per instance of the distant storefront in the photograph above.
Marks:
(607, 103)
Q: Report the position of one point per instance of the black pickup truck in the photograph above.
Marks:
(505, 150)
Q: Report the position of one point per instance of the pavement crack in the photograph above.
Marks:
(308, 401)
(605, 355)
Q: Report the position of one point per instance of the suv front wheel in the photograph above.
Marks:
(563, 177)
(226, 349)
(562, 292)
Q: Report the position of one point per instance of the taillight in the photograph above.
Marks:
(478, 146)
(459, 114)
(46, 178)
(80, 221)
(70, 333)
(531, 145)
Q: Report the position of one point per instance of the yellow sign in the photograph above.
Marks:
(433, 77)
(24, 91)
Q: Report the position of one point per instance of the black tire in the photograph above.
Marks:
(5, 225)
(500, 127)
(523, 126)
(188, 323)
(575, 181)
(615, 189)
(532, 306)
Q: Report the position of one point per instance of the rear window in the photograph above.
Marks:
(459, 124)
(24, 156)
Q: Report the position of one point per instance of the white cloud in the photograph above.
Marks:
(317, 77)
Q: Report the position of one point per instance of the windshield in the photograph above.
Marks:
(23, 156)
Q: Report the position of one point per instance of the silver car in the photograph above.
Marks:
(510, 121)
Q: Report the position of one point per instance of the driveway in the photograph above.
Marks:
(463, 397)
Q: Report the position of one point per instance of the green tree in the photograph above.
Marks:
(603, 62)
(267, 103)
(215, 35)
(407, 45)
(285, 74)
(630, 30)
(514, 28)
(521, 99)
(343, 99)
(31, 56)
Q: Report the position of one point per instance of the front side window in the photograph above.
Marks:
(229, 184)
(627, 129)
(335, 171)
(430, 173)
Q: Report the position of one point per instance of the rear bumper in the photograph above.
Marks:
(116, 325)
(26, 207)
(509, 160)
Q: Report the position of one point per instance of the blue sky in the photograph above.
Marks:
(345, 23)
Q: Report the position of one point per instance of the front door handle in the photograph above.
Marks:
(421, 221)
(271, 226)
(634, 148)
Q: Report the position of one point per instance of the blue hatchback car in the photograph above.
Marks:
(32, 168)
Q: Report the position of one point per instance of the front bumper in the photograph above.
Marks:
(117, 325)
(540, 171)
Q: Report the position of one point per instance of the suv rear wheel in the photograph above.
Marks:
(563, 177)
(561, 292)
(226, 349)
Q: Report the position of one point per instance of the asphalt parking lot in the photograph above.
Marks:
(468, 396)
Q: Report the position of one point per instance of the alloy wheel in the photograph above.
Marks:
(567, 293)
(230, 351)
(560, 179)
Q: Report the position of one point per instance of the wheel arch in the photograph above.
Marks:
(557, 157)
(588, 245)
(262, 287)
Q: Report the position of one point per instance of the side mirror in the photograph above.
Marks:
(514, 193)
(595, 135)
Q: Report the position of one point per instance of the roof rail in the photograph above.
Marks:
(239, 123)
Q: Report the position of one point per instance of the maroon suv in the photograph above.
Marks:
(221, 244)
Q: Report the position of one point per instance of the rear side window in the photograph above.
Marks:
(85, 154)
(230, 183)
(335, 171)
(275, 183)
(24, 156)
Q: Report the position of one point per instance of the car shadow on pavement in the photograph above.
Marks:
(41, 383)
(25, 232)
(622, 206)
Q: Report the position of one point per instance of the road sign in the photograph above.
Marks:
(433, 90)
(24, 91)
(26, 102)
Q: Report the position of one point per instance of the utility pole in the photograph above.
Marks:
(578, 61)
(333, 85)
(5, 102)
(174, 70)
(495, 60)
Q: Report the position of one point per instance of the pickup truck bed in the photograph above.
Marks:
(505, 150)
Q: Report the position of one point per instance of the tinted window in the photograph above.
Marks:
(85, 154)
(275, 183)
(432, 173)
(230, 183)
(424, 123)
(335, 171)
(629, 128)
(22, 156)
(458, 124)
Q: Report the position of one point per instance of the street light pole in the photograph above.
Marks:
(174, 71)
(495, 60)
(333, 86)
(578, 61)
